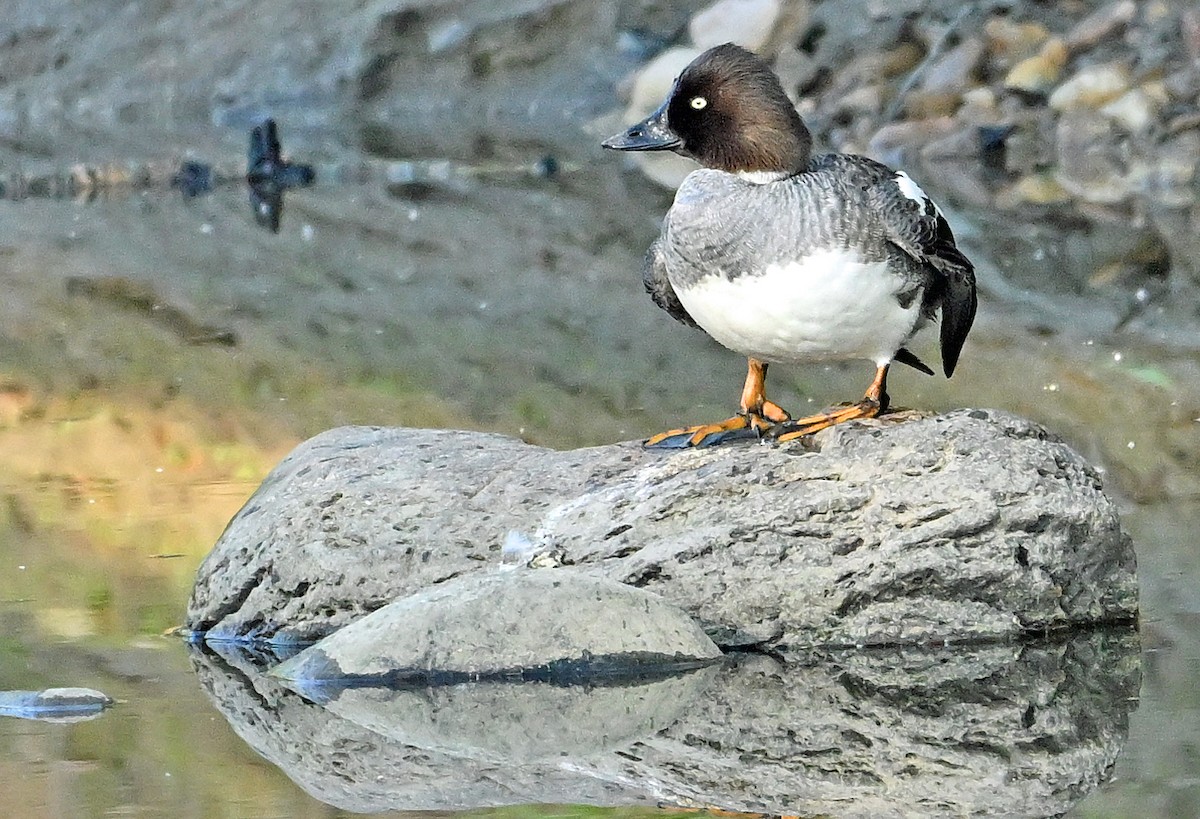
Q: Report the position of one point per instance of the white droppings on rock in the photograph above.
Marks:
(516, 549)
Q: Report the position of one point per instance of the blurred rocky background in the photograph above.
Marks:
(469, 258)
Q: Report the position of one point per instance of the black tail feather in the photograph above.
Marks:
(958, 306)
(907, 356)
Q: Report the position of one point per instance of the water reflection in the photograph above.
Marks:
(269, 175)
(995, 730)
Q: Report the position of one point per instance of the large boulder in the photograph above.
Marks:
(973, 525)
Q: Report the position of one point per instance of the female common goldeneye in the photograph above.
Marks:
(786, 257)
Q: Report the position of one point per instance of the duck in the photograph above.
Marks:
(788, 257)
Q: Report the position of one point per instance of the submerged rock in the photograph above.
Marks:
(54, 704)
(971, 525)
(509, 624)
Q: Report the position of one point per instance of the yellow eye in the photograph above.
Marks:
(699, 103)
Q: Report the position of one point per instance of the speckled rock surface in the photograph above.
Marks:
(973, 525)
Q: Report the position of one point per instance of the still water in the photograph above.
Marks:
(158, 354)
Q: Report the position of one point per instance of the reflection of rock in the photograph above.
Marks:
(1002, 731)
(971, 525)
(546, 624)
(356, 769)
(997, 731)
(140, 297)
(516, 723)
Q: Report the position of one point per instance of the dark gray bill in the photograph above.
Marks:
(651, 134)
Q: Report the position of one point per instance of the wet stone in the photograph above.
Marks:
(69, 704)
(509, 623)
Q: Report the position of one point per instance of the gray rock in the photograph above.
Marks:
(974, 525)
(71, 704)
(995, 730)
(509, 623)
(957, 69)
(1093, 162)
(1101, 24)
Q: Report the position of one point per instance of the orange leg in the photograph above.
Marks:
(873, 404)
(757, 416)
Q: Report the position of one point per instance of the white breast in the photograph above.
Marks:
(827, 306)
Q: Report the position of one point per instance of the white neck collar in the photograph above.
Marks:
(762, 177)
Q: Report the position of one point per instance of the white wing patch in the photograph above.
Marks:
(913, 191)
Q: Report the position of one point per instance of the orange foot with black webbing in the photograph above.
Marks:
(872, 405)
(757, 417)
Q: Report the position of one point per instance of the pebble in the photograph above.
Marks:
(748, 23)
(900, 60)
(979, 100)
(1093, 87)
(1032, 143)
(892, 143)
(1039, 73)
(1189, 24)
(959, 144)
(1135, 110)
(69, 704)
(926, 104)
(1175, 172)
(655, 80)
(1009, 42)
(795, 68)
(1035, 189)
(1184, 122)
(956, 70)
(866, 99)
(1100, 25)
(1089, 162)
